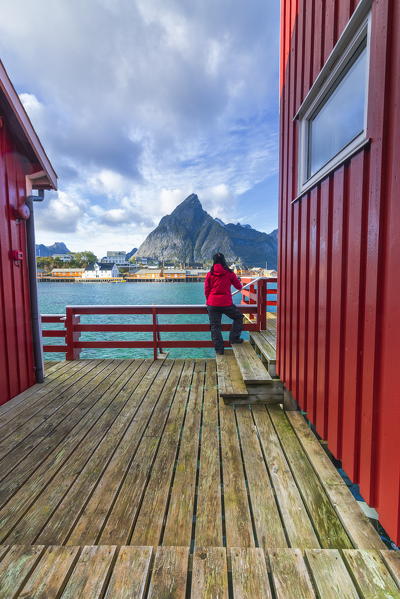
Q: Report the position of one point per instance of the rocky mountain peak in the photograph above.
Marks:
(190, 235)
(192, 200)
(58, 247)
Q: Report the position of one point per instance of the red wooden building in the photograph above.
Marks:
(339, 265)
(23, 166)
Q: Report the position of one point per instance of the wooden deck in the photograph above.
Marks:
(127, 478)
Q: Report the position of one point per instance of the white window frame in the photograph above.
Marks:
(339, 61)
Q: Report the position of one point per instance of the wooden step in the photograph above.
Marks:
(270, 336)
(230, 381)
(250, 365)
(267, 351)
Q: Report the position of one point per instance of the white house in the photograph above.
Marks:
(62, 257)
(115, 258)
(101, 271)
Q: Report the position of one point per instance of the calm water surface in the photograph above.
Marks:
(54, 297)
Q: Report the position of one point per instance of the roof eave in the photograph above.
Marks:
(48, 177)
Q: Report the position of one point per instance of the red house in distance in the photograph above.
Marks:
(339, 264)
(24, 167)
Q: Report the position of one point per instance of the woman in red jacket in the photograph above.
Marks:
(217, 289)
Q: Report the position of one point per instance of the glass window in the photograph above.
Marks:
(341, 116)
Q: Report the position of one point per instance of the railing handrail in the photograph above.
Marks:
(247, 284)
(256, 307)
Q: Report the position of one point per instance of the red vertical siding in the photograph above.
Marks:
(386, 430)
(350, 416)
(303, 304)
(16, 361)
(312, 336)
(323, 332)
(339, 328)
(337, 310)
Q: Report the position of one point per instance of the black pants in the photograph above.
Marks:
(215, 314)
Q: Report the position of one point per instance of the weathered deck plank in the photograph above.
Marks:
(61, 402)
(80, 446)
(89, 576)
(34, 399)
(53, 428)
(268, 352)
(128, 572)
(169, 573)
(249, 574)
(239, 530)
(290, 575)
(87, 528)
(210, 577)
(356, 523)
(47, 459)
(49, 575)
(208, 526)
(392, 561)
(330, 574)
(16, 568)
(298, 525)
(370, 574)
(269, 528)
(150, 520)
(144, 453)
(178, 528)
(122, 439)
(230, 381)
(330, 530)
(250, 365)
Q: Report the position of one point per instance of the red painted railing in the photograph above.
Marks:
(250, 294)
(73, 327)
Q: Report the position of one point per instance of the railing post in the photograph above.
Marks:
(71, 336)
(261, 305)
(155, 333)
(158, 337)
(76, 335)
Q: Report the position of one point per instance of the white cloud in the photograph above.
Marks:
(109, 182)
(141, 102)
(63, 213)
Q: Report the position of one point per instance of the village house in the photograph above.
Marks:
(62, 257)
(173, 273)
(115, 258)
(64, 273)
(145, 274)
(101, 271)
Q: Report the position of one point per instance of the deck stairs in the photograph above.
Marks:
(247, 372)
(264, 345)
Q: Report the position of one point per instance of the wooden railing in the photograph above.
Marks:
(250, 293)
(73, 327)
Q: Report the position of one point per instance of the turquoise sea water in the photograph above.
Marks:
(54, 297)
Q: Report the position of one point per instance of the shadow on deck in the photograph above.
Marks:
(132, 478)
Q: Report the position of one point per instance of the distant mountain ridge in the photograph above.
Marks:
(189, 234)
(131, 253)
(45, 251)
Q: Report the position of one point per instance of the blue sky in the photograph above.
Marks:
(140, 103)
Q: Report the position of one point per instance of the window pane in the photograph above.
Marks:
(341, 117)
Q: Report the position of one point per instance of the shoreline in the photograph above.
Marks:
(50, 280)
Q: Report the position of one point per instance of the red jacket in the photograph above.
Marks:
(217, 286)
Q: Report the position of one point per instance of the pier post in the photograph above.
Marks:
(155, 333)
(71, 336)
(261, 305)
